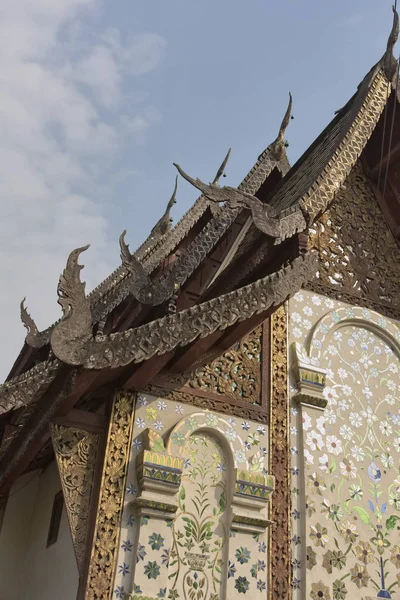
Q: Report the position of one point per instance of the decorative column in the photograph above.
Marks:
(246, 571)
(279, 462)
(159, 478)
(105, 543)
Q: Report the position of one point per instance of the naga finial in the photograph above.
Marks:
(390, 64)
(33, 337)
(70, 287)
(75, 329)
(278, 146)
(221, 170)
(164, 224)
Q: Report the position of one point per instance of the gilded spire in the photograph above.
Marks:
(277, 147)
(390, 64)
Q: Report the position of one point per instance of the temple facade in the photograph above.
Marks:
(220, 418)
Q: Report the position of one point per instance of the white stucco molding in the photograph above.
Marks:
(345, 317)
(307, 360)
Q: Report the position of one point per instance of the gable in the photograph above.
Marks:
(359, 259)
(235, 382)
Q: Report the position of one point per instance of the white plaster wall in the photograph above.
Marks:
(15, 535)
(29, 570)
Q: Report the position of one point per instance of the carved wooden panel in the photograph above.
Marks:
(236, 374)
(76, 452)
(359, 259)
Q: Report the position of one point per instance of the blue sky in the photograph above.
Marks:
(99, 99)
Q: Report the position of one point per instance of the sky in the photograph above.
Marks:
(98, 99)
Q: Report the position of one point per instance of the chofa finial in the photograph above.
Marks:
(277, 147)
(163, 225)
(221, 170)
(390, 64)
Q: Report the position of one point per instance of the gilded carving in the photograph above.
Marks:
(253, 413)
(76, 452)
(236, 373)
(279, 459)
(355, 248)
(72, 340)
(106, 537)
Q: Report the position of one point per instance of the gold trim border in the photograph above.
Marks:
(279, 461)
(318, 197)
(105, 546)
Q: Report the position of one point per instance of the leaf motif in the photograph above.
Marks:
(156, 442)
(372, 507)
(384, 506)
(182, 493)
(362, 513)
(391, 522)
(332, 468)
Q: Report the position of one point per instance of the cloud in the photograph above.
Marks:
(64, 121)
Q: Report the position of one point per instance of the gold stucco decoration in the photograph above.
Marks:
(106, 536)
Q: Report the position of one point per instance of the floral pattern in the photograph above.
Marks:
(351, 456)
(156, 559)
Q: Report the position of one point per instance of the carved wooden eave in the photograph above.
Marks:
(118, 286)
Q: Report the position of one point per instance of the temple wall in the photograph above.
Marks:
(29, 570)
(345, 457)
(195, 515)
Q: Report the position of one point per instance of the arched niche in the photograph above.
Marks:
(200, 540)
(347, 316)
(215, 425)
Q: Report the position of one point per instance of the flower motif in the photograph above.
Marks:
(178, 438)
(211, 420)
(319, 535)
(231, 569)
(242, 585)
(151, 414)
(348, 531)
(358, 453)
(254, 439)
(308, 456)
(364, 552)
(355, 419)
(333, 444)
(306, 421)
(316, 483)
(338, 559)
(310, 506)
(328, 417)
(231, 434)
(140, 423)
(369, 415)
(327, 561)
(179, 409)
(156, 541)
(348, 469)
(253, 571)
(261, 585)
(245, 425)
(243, 555)
(359, 576)
(387, 460)
(396, 444)
(324, 462)
(380, 542)
(373, 472)
(123, 569)
(141, 553)
(346, 432)
(119, 591)
(152, 570)
(319, 591)
(339, 590)
(385, 428)
(127, 546)
(395, 556)
(162, 593)
(334, 512)
(240, 456)
(191, 423)
(161, 405)
(159, 425)
(262, 547)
